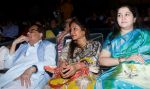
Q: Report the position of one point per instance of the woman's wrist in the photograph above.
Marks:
(79, 66)
(120, 60)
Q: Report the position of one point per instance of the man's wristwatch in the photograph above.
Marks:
(36, 69)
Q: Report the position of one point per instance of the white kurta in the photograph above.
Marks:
(4, 51)
(38, 80)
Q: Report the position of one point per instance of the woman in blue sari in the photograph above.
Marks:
(127, 51)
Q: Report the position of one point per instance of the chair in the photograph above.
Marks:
(96, 37)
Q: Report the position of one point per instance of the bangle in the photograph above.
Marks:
(36, 69)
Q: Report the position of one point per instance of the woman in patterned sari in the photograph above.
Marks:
(78, 65)
(127, 52)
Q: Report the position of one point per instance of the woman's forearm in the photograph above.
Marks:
(104, 61)
(80, 65)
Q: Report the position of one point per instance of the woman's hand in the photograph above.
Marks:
(68, 71)
(136, 58)
(60, 36)
(62, 63)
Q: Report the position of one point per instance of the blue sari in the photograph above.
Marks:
(127, 75)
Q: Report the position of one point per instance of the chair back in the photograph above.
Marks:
(96, 37)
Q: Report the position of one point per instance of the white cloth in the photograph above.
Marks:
(39, 79)
(30, 55)
(4, 51)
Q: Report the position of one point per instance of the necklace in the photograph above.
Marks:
(83, 44)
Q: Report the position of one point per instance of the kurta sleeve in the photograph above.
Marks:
(49, 58)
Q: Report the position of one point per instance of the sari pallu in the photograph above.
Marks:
(82, 79)
(128, 75)
(122, 76)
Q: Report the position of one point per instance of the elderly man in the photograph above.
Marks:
(27, 62)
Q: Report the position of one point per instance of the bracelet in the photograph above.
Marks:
(36, 69)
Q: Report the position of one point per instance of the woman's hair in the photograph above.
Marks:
(83, 27)
(116, 27)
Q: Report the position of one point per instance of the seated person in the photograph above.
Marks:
(26, 64)
(127, 51)
(78, 66)
(62, 35)
(53, 29)
(10, 30)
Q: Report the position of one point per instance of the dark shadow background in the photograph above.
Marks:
(25, 9)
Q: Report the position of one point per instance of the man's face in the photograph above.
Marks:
(33, 35)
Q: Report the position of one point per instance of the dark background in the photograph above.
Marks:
(24, 9)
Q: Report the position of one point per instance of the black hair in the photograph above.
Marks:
(40, 28)
(73, 44)
(116, 28)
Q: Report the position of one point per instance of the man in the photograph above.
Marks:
(27, 62)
